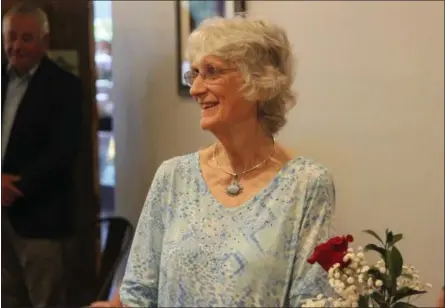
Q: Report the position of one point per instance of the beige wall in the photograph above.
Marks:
(371, 108)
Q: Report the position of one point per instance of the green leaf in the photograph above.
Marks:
(405, 292)
(380, 250)
(397, 237)
(403, 305)
(363, 302)
(374, 234)
(379, 299)
(375, 273)
(389, 238)
(396, 262)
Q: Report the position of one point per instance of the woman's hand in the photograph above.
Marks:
(104, 304)
(441, 299)
(112, 303)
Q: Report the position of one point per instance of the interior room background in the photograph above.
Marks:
(371, 83)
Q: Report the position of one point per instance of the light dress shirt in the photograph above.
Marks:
(17, 86)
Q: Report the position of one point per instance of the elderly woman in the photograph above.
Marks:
(233, 224)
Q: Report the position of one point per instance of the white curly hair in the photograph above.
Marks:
(262, 53)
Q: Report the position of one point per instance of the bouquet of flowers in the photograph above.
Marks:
(357, 283)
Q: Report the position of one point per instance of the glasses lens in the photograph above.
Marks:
(188, 78)
(212, 73)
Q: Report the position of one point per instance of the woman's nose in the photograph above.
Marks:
(198, 86)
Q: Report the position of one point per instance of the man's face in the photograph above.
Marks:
(23, 41)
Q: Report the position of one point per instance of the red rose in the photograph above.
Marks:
(331, 252)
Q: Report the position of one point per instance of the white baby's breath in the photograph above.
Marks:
(370, 282)
(354, 280)
(365, 269)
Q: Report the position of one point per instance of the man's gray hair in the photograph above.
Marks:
(32, 9)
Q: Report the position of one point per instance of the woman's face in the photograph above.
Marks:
(217, 90)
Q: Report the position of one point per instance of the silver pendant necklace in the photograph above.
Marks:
(234, 188)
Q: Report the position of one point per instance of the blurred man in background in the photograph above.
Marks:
(41, 122)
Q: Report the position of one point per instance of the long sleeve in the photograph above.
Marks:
(139, 287)
(310, 280)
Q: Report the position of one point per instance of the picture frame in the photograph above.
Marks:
(189, 13)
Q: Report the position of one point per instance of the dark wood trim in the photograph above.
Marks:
(182, 90)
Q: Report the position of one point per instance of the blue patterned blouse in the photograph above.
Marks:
(190, 251)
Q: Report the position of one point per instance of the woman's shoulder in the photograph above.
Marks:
(314, 180)
(310, 168)
(310, 175)
(186, 161)
(304, 167)
(181, 164)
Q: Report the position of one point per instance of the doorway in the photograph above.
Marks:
(103, 34)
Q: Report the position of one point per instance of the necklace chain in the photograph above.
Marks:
(237, 175)
(235, 188)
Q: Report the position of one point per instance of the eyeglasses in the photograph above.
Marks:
(209, 74)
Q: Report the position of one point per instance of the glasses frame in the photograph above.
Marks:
(205, 75)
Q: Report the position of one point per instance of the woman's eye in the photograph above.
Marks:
(211, 70)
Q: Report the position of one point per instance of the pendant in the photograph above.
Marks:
(234, 189)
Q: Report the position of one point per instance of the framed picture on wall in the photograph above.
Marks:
(189, 15)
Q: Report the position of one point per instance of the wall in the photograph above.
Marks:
(371, 108)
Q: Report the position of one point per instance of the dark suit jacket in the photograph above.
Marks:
(42, 150)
